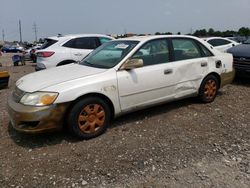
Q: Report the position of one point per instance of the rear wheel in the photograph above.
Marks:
(208, 89)
(89, 118)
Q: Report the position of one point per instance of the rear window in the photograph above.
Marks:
(48, 43)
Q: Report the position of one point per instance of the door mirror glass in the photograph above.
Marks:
(131, 64)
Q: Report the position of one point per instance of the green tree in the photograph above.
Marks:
(211, 32)
(244, 31)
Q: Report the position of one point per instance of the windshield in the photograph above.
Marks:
(109, 54)
(247, 41)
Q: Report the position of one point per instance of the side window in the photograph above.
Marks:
(69, 44)
(104, 40)
(218, 42)
(85, 43)
(153, 52)
(205, 51)
(185, 49)
(82, 43)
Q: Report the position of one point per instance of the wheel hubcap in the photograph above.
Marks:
(210, 89)
(91, 118)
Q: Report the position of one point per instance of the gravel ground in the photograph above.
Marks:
(179, 144)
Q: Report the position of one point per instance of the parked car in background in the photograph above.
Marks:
(62, 50)
(30, 54)
(221, 44)
(12, 49)
(241, 55)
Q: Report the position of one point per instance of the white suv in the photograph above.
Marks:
(62, 50)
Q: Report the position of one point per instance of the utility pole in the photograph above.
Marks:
(20, 31)
(35, 31)
(191, 30)
(3, 35)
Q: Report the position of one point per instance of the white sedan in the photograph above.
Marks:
(221, 44)
(118, 77)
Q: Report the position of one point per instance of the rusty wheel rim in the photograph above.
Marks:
(91, 118)
(210, 89)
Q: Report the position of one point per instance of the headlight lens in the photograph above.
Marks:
(39, 98)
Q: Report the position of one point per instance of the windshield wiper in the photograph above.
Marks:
(86, 63)
(93, 65)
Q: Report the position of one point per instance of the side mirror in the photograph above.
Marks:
(131, 64)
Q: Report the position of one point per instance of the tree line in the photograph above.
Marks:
(243, 31)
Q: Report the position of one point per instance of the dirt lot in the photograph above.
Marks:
(180, 144)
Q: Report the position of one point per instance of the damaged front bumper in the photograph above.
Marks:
(32, 119)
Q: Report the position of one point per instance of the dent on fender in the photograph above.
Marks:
(111, 88)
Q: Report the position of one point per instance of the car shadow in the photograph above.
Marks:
(54, 138)
(33, 141)
(152, 111)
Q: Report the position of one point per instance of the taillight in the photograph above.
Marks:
(44, 54)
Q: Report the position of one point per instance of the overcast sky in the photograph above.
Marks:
(119, 16)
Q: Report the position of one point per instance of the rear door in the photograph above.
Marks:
(190, 66)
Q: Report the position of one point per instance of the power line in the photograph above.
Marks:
(3, 35)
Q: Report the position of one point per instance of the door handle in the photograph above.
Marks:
(203, 64)
(78, 54)
(168, 71)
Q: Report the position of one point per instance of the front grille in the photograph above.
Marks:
(17, 94)
(242, 63)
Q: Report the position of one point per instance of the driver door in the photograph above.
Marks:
(151, 83)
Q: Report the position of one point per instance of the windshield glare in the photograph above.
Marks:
(109, 54)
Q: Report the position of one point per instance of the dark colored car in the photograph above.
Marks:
(241, 55)
(13, 49)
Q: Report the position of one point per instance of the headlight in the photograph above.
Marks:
(39, 98)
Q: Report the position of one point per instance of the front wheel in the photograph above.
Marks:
(208, 89)
(89, 118)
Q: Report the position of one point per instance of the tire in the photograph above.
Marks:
(208, 89)
(89, 118)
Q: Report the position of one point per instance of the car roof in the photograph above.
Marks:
(151, 37)
(224, 38)
(209, 38)
(71, 36)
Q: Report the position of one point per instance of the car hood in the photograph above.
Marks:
(40, 80)
(242, 50)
